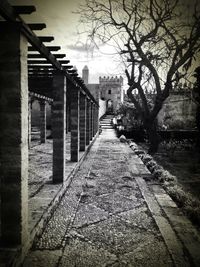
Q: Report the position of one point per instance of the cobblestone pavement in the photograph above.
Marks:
(109, 216)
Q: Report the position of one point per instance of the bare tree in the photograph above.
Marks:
(157, 41)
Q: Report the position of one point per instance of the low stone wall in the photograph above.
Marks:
(102, 107)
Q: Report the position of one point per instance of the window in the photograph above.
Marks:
(109, 91)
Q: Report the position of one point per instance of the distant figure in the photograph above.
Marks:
(114, 122)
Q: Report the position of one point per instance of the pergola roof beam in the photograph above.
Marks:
(37, 26)
(47, 67)
(50, 48)
(40, 56)
(72, 71)
(46, 39)
(46, 62)
(24, 9)
(8, 13)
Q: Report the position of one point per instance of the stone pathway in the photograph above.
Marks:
(110, 216)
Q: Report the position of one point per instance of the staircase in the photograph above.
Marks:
(106, 122)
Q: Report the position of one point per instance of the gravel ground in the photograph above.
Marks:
(104, 217)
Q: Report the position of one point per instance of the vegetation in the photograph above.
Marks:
(157, 42)
(185, 200)
(196, 98)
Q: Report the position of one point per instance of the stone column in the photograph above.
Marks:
(43, 124)
(91, 121)
(30, 101)
(97, 118)
(75, 135)
(82, 122)
(67, 111)
(59, 126)
(94, 119)
(13, 136)
(88, 121)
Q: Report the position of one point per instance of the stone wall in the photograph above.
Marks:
(102, 107)
(178, 112)
(111, 89)
(35, 114)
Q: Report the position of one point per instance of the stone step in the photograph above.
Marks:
(106, 127)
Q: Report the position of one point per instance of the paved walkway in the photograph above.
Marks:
(110, 216)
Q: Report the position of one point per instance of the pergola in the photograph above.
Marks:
(29, 70)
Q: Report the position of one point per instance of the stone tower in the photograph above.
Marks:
(85, 74)
(111, 91)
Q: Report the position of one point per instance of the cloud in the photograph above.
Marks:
(81, 47)
(78, 48)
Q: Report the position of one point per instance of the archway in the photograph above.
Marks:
(109, 106)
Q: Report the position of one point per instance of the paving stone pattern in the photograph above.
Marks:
(103, 218)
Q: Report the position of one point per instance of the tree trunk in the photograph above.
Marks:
(153, 137)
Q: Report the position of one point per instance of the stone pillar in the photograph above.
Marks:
(82, 122)
(97, 118)
(67, 111)
(91, 121)
(59, 126)
(30, 101)
(13, 136)
(88, 121)
(75, 135)
(67, 118)
(43, 124)
(94, 119)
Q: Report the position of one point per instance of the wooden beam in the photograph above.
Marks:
(59, 55)
(68, 67)
(46, 62)
(38, 62)
(36, 95)
(39, 72)
(40, 56)
(46, 38)
(40, 76)
(72, 71)
(37, 26)
(24, 9)
(50, 48)
(40, 67)
(50, 67)
(8, 13)
(35, 56)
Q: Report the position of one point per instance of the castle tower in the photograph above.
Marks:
(111, 91)
(85, 74)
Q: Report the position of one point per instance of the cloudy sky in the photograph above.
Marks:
(64, 25)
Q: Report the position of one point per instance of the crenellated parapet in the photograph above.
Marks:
(111, 80)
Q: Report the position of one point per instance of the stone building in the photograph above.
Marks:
(108, 92)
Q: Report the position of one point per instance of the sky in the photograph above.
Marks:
(64, 25)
